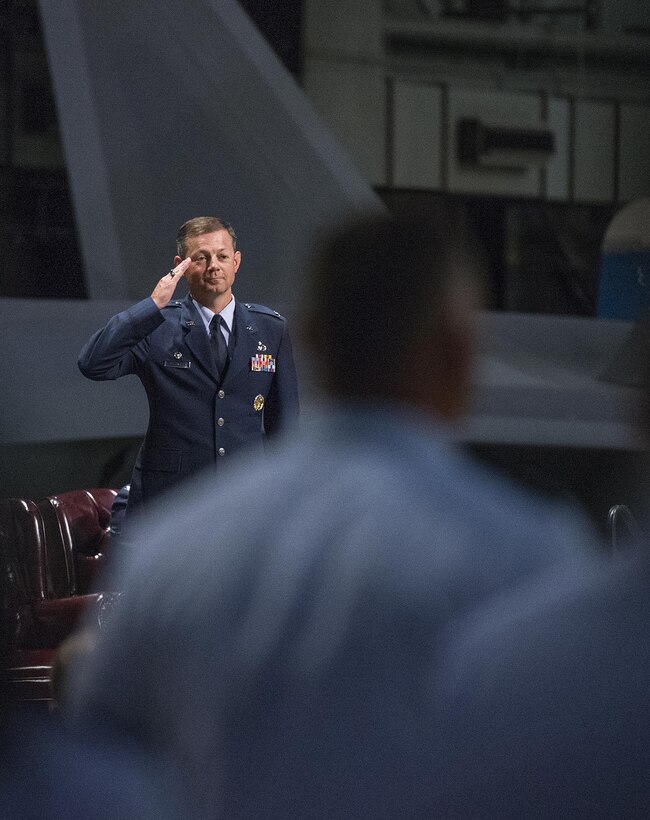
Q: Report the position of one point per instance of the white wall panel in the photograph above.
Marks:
(557, 168)
(417, 134)
(593, 152)
(343, 75)
(351, 98)
(634, 156)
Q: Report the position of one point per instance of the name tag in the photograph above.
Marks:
(184, 365)
(263, 363)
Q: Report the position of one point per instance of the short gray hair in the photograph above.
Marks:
(199, 225)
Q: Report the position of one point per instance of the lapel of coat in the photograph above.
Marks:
(196, 338)
(245, 341)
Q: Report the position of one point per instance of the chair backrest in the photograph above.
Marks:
(77, 528)
(23, 568)
(624, 530)
(23, 550)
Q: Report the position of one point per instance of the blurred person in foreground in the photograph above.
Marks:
(544, 700)
(280, 644)
(50, 770)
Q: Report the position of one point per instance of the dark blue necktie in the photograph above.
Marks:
(218, 343)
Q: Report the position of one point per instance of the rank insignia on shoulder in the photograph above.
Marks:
(258, 402)
(263, 363)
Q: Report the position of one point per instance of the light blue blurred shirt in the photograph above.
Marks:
(280, 637)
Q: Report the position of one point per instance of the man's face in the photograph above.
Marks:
(214, 265)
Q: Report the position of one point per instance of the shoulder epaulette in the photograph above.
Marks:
(174, 303)
(262, 309)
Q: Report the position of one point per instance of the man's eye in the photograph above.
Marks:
(200, 259)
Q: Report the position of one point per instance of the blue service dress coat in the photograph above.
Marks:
(196, 419)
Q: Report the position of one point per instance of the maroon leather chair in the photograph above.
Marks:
(49, 554)
(23, 580)
(77, 534)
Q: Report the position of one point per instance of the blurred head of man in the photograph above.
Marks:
(390, 319)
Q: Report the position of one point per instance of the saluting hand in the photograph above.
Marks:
(165, 288)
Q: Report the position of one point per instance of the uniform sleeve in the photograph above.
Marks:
(282, 405)
(109, 353)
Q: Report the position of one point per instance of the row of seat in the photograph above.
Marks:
(52, 554)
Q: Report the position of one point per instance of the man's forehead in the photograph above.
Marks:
(219, 239)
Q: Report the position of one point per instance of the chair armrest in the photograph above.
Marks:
(26, 675)
(56, 618)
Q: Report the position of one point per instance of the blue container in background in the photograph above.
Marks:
(624, 281)
(624, 284)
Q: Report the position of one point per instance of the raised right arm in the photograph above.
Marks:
(110, 352)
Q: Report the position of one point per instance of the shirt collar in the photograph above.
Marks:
(227, 314)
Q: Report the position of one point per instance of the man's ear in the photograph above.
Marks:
(437, 375)
(455, 370)
(177, 260)
(237, 260)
